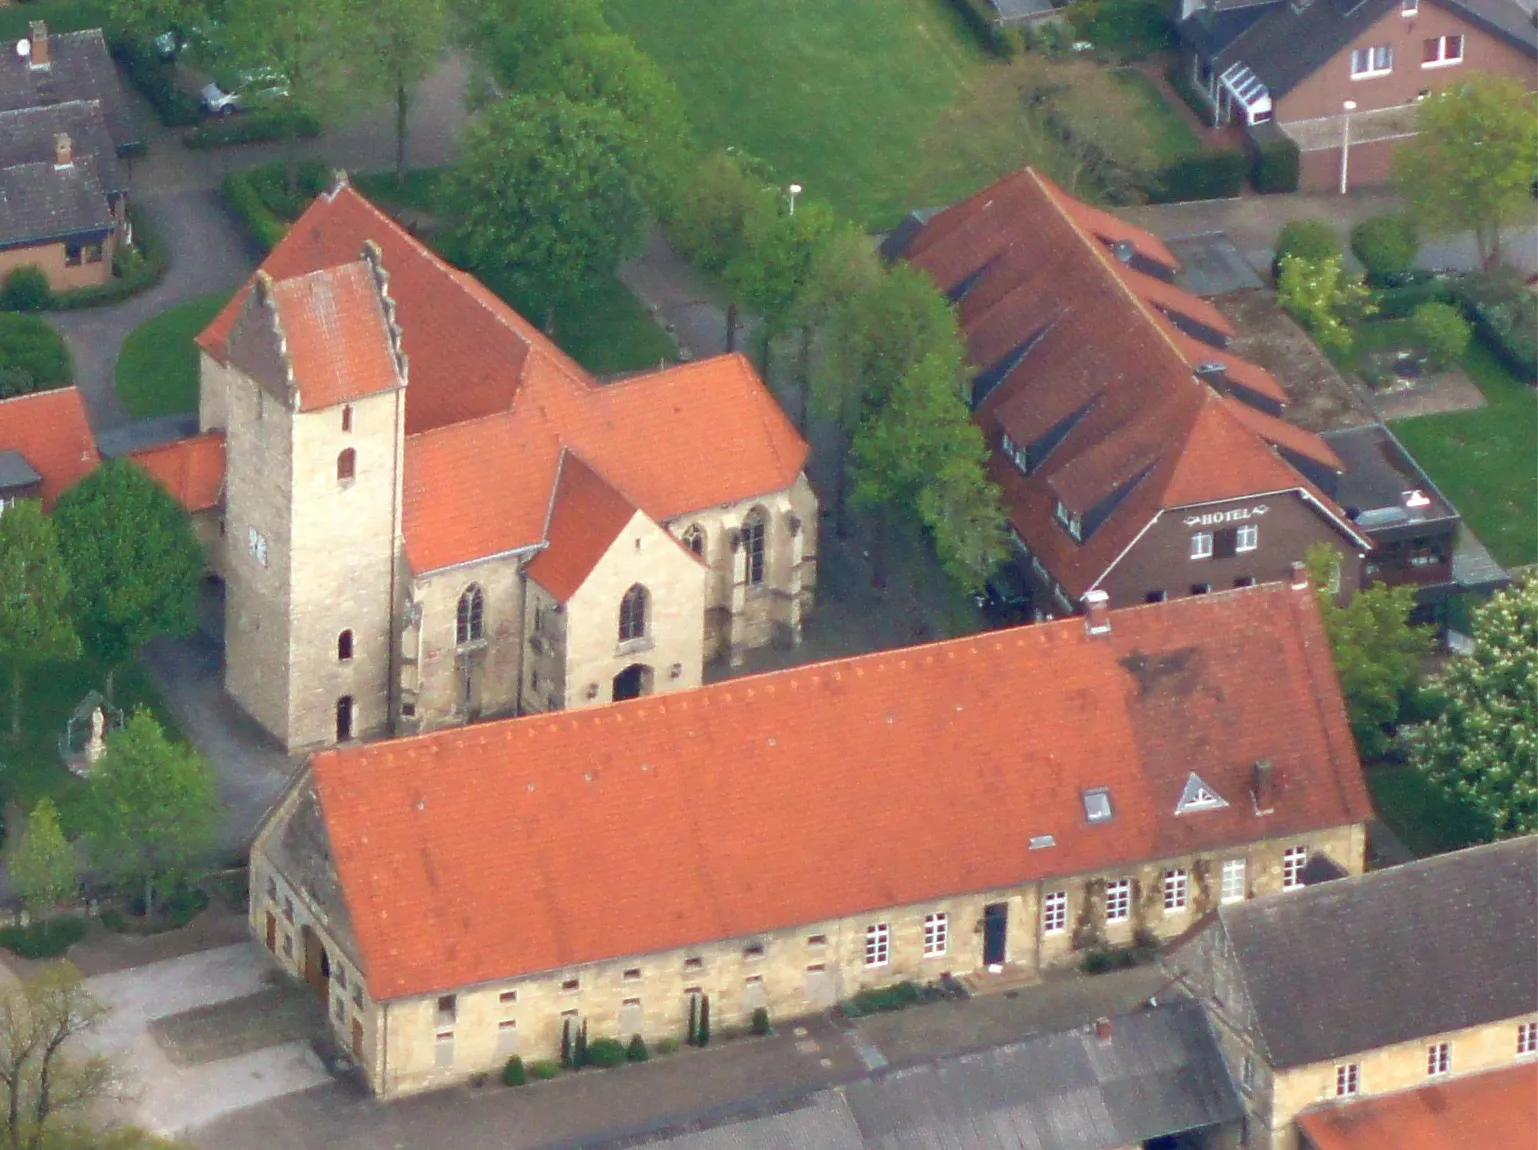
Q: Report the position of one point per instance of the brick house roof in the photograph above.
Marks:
(1492, 1111)
(834, 789)
(1090, 365)
(50, 431)
(586, 516)
(192, 470)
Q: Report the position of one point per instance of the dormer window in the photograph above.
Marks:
(1017, 454)
(1071, 520)
(1198, 796)
(1097, 805)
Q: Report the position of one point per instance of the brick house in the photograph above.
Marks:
(46, 446)
(1363, 987)
(1284, 68)
(999, 802)
(430, 514)
(1136, 454)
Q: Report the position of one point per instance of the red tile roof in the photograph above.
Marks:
(1083, 347)
(51, 432)
(586, 516)
(809, 794)
(338, 338)
(192, 470)
(1497, 1110)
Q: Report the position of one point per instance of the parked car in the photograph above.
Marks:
(1005, 597)
(246, 90)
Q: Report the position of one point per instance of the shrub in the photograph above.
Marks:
(1107, 959)
(1130, 29)
(254, 128)
(175, 911)
(1274, 166)
(155, 80)
(893, 997)
(26, 289)
(635, 1050)
(982, 21)
(1442, 330)
(760, 1023)
(605, 1053)
(1180, 80)
(32, 353)
(1312, 240)
(134, 270)
(1505, 318)
(1401, 302)
(513, 1074)
(1386, 245)
(1204, 176)
(47, 939)
(667, 1045)
(1321, 297)
(544, 1070)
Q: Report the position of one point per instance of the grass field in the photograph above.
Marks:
(1425, 818)
(836, 95)
(157, 370)
(1170, 137)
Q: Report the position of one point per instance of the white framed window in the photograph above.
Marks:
(1017, 454)
(1375, 61)
(1348, 1079)
(1072, 520)
(1118, 900)
(1439, 1059)
(878, 944)
(1054, 912)
(937, 934)
(1249, 538)
(1527, 1038)
(1097, 805)
(1235, 880)
(1176, 888)
(1201, 545)
(1293, 861)
(1439, 51)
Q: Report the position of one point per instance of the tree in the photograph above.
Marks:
(841, 267)
(1482, 747)
(1321, 297)
(403, 40)
(41, 1084)
(1470, 165)
(154, 809)
(35, 626)
(44, 871)
(547, 193)
(1443, 331)
(146, 19)
(135, 566)
(774, 261)
(512, 36)
(1377, 651)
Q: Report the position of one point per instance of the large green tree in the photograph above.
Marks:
(1482, 747)
(547, 195)
(842, 266)
(44, 870)
(774, 262)
(134, 564)
(401, 41)
(1470, 167)
(35, 625)
(154, 809)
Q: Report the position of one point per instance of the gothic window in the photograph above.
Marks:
(632, 614)
(753, 533)
(344, 646)
(346, 465)
(694, 539)
(470, 620)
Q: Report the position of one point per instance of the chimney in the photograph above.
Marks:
(1103, 1029)
(39, 44)
(1264, 789)
(1299, 576)
(63, 151)
(1097, 610)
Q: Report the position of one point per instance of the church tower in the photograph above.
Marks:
(313, 402)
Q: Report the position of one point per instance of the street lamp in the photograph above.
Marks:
(793, 191)
(1345, 144)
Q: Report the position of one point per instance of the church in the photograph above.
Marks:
(427, 513)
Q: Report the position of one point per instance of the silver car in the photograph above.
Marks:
(247, 90)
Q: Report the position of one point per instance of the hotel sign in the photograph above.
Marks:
(1236, 515)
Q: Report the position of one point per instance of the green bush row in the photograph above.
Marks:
(982, 21)
(259, 199)
(133, 270)
(47, 939)
(893, 997)
(1401, 302)
(155, 80)
(1505, 318)
(1107, 959)
(1274, 166)
(254, 128)
(1205, 176)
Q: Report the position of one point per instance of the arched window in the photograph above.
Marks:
(347, 417)
(346, 465)
(470, 621)
(632, 614)
(344, 646)
(694, 539)
(754, 530)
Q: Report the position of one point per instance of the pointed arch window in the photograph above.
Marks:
(754, 533)
(694, 539)
(632, 614)
(470, 619)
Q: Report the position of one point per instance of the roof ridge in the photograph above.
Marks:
(40, 394)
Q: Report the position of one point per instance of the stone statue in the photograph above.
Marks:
(96, 746)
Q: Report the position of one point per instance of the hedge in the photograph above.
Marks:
(155, 80)
(982, 22)
(254, 128)
(47, 939)
(1204, 176)
(32, 355)
(175, 911)
(1401, 302)
(133, 271)
(258, 198)
(1505, 318)
(887, 998)
(26, 289)
(1180, 80)
(1274, 166)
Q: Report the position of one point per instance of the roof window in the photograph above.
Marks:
(1097, 805)
(1040, 842)
(1198, 796)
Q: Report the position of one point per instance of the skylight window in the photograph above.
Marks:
(1198, 796)
(1097, 805)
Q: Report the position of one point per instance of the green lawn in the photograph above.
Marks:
(1425, 818)
(837, 95)
(611, 332)
(59, 15)
(1170, 137)
(1484, 460)
(157, 370)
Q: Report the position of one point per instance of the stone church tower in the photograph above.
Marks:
(312, 400)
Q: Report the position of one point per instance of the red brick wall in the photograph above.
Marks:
(1371, 166)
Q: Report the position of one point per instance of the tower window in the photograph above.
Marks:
(347, 418)
(694, 539)
(344, 646)
(346, 465)
(344, 718)
(753, 530)
(470, 620)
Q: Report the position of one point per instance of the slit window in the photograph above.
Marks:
(344, 646)
(347, 465)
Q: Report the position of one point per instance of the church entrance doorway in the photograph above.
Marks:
(317, 965)
(633, 682)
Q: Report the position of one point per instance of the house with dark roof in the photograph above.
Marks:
(64, 121)
(1138, 457)
(430, 514)
(1371, 985)
(1002, 803)
(1341, 77)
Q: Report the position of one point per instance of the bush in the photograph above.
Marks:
(1442, 330)
(513, 1074)
(175, 911)
(1129, 29)
(254, 128)
(1401, 302)
(886, 998)
(1180, 79)
(1107, 959)
(605, 1053)
(1312, 240)
(635, 1050)
(26, 289)
(1274, 166)
(982, 21)
(32, 354)
(47, 939)
(667, 1046)
(1204, 176)
(760, 1023)
(544, 1070)
(1505, 318)
(155, 80)
(1387, 247)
